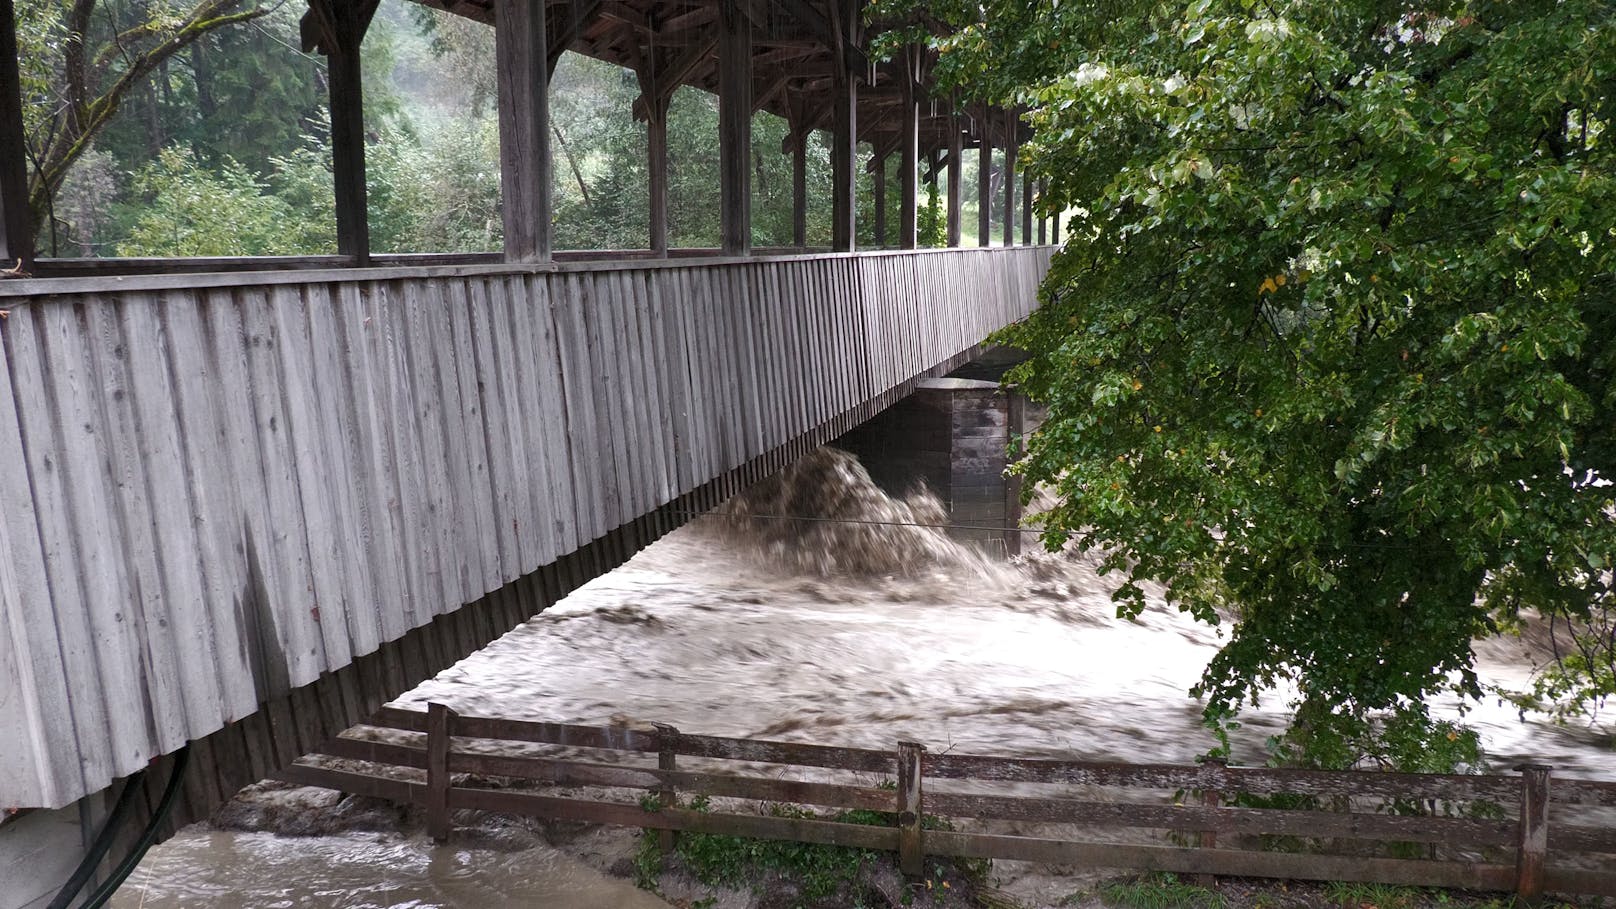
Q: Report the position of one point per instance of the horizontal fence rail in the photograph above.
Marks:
(1487, 832)
(220, 488)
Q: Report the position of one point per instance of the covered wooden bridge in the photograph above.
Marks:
(247, 501)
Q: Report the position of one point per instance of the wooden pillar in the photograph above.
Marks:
(1026, 211)
(339, 30)
(984, 183)
(799, 187)
(735, 127)
(1011, 147)
(843, 164)
(909, 152)
(656, 147)
(879, 165)
(1054, 228)
(1043, 220)
(844, 131)
(956, 174)
(521, 57)
(16, 220)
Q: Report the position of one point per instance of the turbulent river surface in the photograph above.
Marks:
(766, 632)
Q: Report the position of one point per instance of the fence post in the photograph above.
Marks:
(911, 851)
(439, 729)
(1212, 786)
(666, 796)
(1534, 832)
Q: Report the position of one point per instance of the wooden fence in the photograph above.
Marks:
(1478, 832)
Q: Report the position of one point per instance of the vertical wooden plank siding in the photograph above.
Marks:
(226, 490)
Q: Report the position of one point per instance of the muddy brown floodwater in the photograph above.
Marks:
(741, 634)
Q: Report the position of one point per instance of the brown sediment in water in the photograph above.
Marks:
(823, 515)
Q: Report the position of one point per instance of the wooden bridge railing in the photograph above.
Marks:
(222, 488)
(1488, 832)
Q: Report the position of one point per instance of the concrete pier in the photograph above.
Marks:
(952, 435)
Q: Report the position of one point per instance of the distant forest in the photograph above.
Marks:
(223, 147)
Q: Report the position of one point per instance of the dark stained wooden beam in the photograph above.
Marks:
(826, 31)
(1043, 221)
(984, 182)
(735, 127)
(909, 152)
(956, 174)
(773, 90)
(1054, 229)
(1012, 147)
(16, 219)
(647, 68)
(878, 167)
(677, 73)
(573, 17)
(1026, 210)
(844, 138)
(337, 29)
(799, 173)
(522, 61)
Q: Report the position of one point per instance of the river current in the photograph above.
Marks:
(857, 630)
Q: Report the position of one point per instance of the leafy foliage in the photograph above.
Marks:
(1329, 351)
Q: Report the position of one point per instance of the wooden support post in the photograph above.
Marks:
(653, 104)
(735, 127)
(911, 848)
(1533, 845)
(1054, 228)
(348, 147)
(439, 731)
(1043, 220)
(799, 180)
(984, 185)
(1012, 145)
(880, 185)
(336, 28)
(1026, 211)
(656, 147)
(844, 133)
(16, 219)
(909, 152)
(667, 797)
(521, 58)
(956, 174)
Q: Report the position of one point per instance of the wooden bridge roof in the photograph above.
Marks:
(794, 59)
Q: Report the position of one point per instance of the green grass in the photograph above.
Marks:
(1160, 891)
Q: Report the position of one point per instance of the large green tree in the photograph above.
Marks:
(1331, 349)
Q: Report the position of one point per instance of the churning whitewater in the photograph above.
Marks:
(863, 625)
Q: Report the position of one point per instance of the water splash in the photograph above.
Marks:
(823, 515)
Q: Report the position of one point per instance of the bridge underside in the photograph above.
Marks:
(246, 510)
